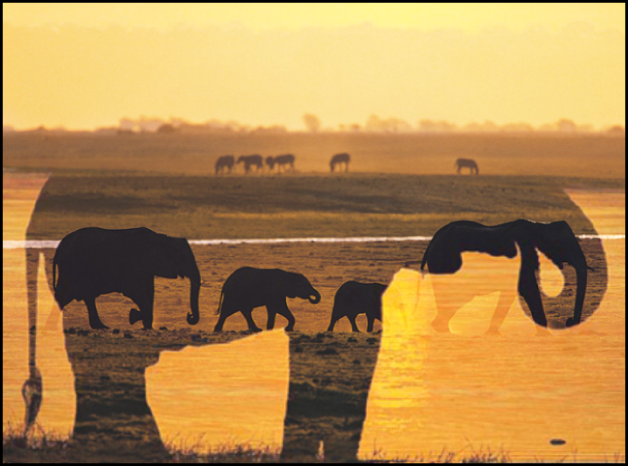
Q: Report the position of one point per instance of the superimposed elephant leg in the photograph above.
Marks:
(332, 323)
(503, 306)
(446, 311)
(94, 319)
(327, 403)
(354, 326)
(225, 313)
(249, 320)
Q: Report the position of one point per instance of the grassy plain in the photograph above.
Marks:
(398, 186)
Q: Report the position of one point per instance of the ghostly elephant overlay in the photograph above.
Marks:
(250, 161)
(248, 288)
(327, 403)
(468, 163)
(330, 379)
(224, 162)
(94, 261)
(282, 161)
(338, 159)
(354, 298)
(555, 240)
(114, 422)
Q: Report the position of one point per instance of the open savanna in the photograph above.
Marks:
(189, 154)
(431, 394)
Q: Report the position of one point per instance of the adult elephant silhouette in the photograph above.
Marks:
(468, 163)
(224, 162)
(555, 240)
(248, 288)
(250, 161)
(354, 298)
(94, 261)
(338, 159)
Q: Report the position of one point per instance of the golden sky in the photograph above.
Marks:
(89, 65)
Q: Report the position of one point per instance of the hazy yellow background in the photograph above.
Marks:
(89, 65)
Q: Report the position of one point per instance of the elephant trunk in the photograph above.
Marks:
(195, 289)
(581, 271)
(316, 295)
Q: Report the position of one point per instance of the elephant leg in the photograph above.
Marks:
(354, 326)
(503, 306)
(281, 308)
(225, 313)
(94, 319)
(144, 298)
(446, 312)
(332, 323)
(371, 322)
(271, 318)
(249, 320)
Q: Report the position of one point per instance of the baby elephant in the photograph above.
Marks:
(248, 288)
(353, 299)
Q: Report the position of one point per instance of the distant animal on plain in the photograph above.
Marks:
(224, 162)
(354, 298)
(248, 288)
(340, 158)
(252, 160)
(470, 163)
(281, 161)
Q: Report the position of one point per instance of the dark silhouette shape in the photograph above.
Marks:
(224, 162)
(281, 161)
(353, 299)
(248, 288)
(327, 403)
(470, 163)
(340, 158)
(32, 390)
(94, 261)
(252, 160)
(556, 240)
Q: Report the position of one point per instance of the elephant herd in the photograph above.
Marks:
(94, 261)
(283, 163)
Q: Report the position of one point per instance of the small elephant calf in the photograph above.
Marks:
(353, 299)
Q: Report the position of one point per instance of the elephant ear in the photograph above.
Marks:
(166, 256)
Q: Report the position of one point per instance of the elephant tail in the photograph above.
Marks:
(222, 295)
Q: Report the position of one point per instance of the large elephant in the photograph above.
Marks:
(252, 160)
(340, 158)
(354, 298)
(248, 288)
(224, 162)
(94, 261)
(555, 240)
(468, 163)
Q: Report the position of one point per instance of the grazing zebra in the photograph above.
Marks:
(470, 163)
(252, 160)
(281, 161)
(339, 159)
(224, 162)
